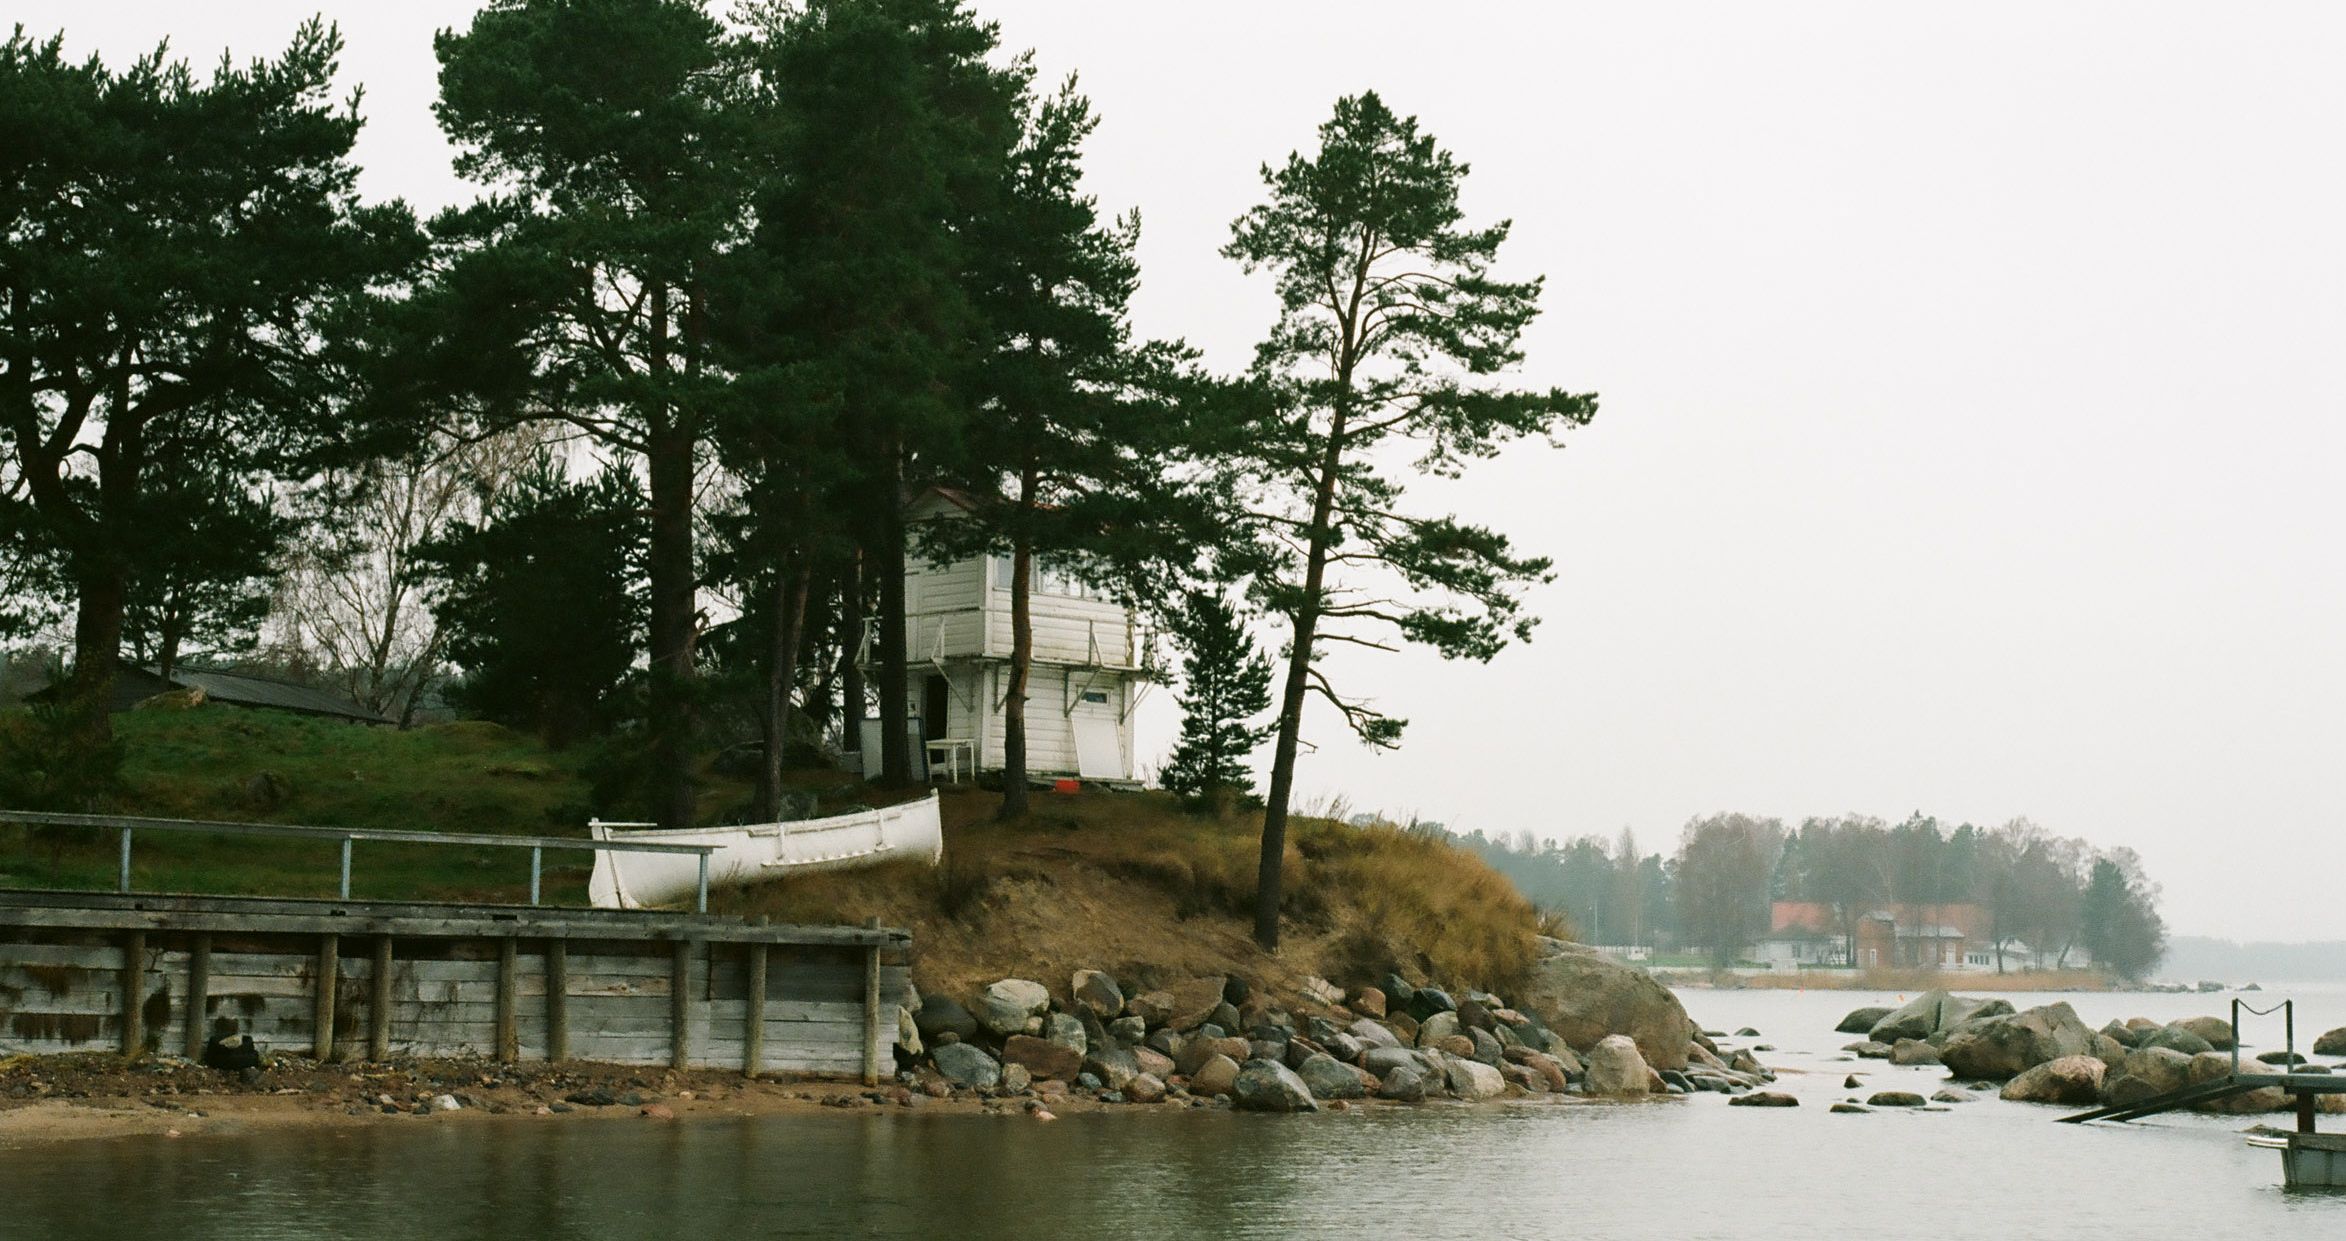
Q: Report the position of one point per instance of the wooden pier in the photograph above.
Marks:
(339, 979)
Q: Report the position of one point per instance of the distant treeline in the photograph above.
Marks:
(2195, 957)
(2053, 893)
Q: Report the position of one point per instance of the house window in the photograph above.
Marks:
(1047, 579)
(1096, 696)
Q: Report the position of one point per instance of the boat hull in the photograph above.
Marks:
(909, 832)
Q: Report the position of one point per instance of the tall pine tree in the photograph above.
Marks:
(1226, 687)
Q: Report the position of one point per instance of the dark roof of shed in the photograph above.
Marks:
(252, 691)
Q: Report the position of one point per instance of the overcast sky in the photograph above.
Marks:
(1970, 375)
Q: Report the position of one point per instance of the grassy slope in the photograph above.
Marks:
(1118, 881)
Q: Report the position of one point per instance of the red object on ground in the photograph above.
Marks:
(1067, 786)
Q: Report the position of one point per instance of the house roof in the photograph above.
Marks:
(136, 684)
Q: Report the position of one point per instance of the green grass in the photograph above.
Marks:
(228, 763)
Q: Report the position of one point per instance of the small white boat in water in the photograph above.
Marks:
(623, 880)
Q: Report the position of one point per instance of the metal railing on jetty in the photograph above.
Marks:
(347, 836)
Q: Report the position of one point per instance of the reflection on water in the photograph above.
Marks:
(1694, 1169)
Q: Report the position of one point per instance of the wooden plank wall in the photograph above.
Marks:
(63, 992)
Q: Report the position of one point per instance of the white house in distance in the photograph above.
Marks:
(1089, 674)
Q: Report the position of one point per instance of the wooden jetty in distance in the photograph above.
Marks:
(2309, 1159)
(339, 979)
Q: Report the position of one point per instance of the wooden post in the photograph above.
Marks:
(322, 1014)
(134, 978)
(508, 971)
(557, 999)
(379, 1002)
(2304, 1110)
(753, 1030)
(871, 1009)
(199, 994)
(680, 1006)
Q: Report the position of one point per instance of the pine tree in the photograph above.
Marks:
(1228, 688)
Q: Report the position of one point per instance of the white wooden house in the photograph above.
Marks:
(1090, 666)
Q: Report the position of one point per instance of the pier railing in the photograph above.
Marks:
(127, 827)
(2288, 1011)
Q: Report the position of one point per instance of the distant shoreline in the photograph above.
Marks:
(1893, 980)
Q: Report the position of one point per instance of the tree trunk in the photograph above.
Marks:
(790, 591)
(103, 592)
(854, 698)
(1269, 874)
(888, 564)
(1022, 658)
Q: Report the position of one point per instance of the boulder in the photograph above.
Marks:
(1217, 1076)
(1473, 1016)
(1523, 1078)
(1764, 1098)
(2177, 1038)
(1153, 1062)
(1047, 1060)
(1016, 1080)
(2007, 1046)
(1426, 1001)
(1913, 1051)
(1617, 1067)
(964, 1064)
(1585, 996)
(1434, 1029)
(1550, 1069)
(1329, 1078)
(1917, 1018)
(2119, 1032)
(1850, 1109)
(1194, 1002)
(1152, 1007)
(2069, 1079)
(1454, 1045)
(1953, 1094)
(1114, 1066)
(1098, 994)
(2160, 1068)
(2216, 1030)
(1867, 1049)
(2209, 1066)
(1131, 1031)
(2331, 1043)
(1383, 1060)
(1861, 1020)
(1894, 1098)
(1269, 1086)
(1145, 1088)
(1487, 1047)
(1013, 1006)
(1066, 1029)
(1472, 1080)
(939, 1015)
(1403, 1085)
(1197, 1051)
(1372, 1034)
(1369, 1002)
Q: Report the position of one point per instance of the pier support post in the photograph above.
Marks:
(753, 1030)
(680, 1006)
(199, 994)
(379, 1002)
(2304, 1109)
(557, 1000)
(322, 1012)
(134, 957)
(871, 1009)
(508, 971)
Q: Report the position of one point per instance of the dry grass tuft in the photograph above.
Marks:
(1129, 883)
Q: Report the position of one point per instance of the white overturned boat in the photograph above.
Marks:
(763, 851)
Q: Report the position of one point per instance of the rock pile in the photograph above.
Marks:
(1592, 1027)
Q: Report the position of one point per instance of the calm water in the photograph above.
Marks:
(1692, 1169)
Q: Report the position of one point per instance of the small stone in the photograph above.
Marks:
(1850, 1109)
(656, 1111)
(1895, 1098)
(1764, 1098)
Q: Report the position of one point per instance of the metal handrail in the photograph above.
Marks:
(537, 845)
(2288, 1011)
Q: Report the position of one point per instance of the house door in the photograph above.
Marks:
(936, 707)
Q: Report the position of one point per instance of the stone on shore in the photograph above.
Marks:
(964, 1064)
(1894, 1098)
(1473, 1080)
(1114, 1066)
(1584, 996)
(1617, 1068)
(1850, 1109)
(1066, 1029)
(2210, 1066)
(2069, 1079)
(1917, 1018)
(1861, 1020)
(1098, 994)
(1913, 1051)
(1764, 1098)
(2006, 1046)
(1194, 1002)
(1369, 1002)
(1269, 1086)
(939, 1015)
(1328, 1078)
(2119, 1032)
(1153, 1062)
(1953, 1094)
(2178, 1037)
(2331, 1043)
(1145, 1088)
(1047, 1060)
(1434, 1029)
(1217, 1076)
(1403, 1085)
(1372, 1034)
(1013, 1006)
(1154, 1008)
(2216, 1030)
(1867, 1049)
